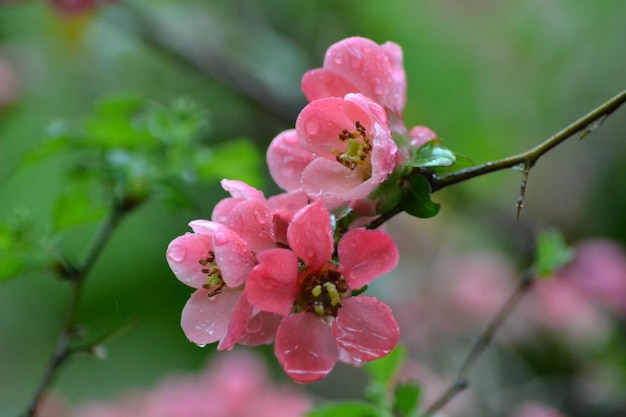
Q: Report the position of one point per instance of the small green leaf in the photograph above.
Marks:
(416, 201)
(344, 409)
(406, 398)
(552, 253)
(430, 155)
(383, 370)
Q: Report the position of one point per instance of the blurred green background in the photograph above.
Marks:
(492, 78)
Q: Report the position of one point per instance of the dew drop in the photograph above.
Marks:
(176, 253)
(220, 239)
(202, 345)
(259, 217)
(338, 59)
(312, 127)
(356, 61)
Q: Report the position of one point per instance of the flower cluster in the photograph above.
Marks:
(291, 269)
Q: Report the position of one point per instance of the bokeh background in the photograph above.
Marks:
(492, 78)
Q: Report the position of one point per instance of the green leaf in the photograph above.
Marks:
(430, 155)
(552, 253)
(180, 123)
(406, 398)
(383, 370)
(344, 409)
(416, 201)
(113, 123)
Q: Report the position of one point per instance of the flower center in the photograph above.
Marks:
(321, 292)
(358, 149)
(214, 282)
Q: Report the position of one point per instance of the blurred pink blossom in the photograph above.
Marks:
(9, 83)
(236, 385)
(533, 409)
(599, 270)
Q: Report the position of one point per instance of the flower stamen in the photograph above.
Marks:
(215, 283)
(358, 150)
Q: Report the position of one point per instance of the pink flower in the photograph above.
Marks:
(359, 65)
(322, 321)
(345, 150)
(217, 261)
(532, 409)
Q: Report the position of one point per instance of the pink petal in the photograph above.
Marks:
(334, 183)
(273, 283)
(365, 255)
(237, 325)
(252, 221)
(305, 347)
(320, 123)
(261, 329)
(376, 70)
(310, 235)
(291, 201)
(223, 208)
(232, 256)
(183, 256)
(239, 189)
(365, 329)
(286, 158)
(322, 83)
(205, 320)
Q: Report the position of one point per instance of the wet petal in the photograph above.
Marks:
(239, 189)
(365, 255)
(232, 256)
(286, 158)
(205, 320)
(310, 235)
(261, 329)
(273, 283)
(252, 221)
(237, 325)
(365, 329)
(305, 347)
(334, 183)
(321, 83)
(183, 256)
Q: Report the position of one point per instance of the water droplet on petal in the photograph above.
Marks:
(203, 345)
(355, 61)
(220, 238)
(338, 59)
(312, 127)
(259, 217)
(176, 253)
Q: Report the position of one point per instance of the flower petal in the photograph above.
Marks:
(310, 235)
(334, 183)
(305, 347)
(286, 158)
(237, 325)
(365, 330)
(232, 256)
(273, 283)
(183, 256)
(364, 255)
(239, 189)
(205, 320)
(321, 83)
(252, 221)
(261, 329)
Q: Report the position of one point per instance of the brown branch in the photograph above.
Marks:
(479, 345)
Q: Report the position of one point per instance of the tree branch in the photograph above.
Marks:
(76, 276)
(479, 345)
(587, 123)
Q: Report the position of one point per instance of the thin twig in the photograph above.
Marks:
(76, 276)
(527, 160)
(586, 123)
(479, 345)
